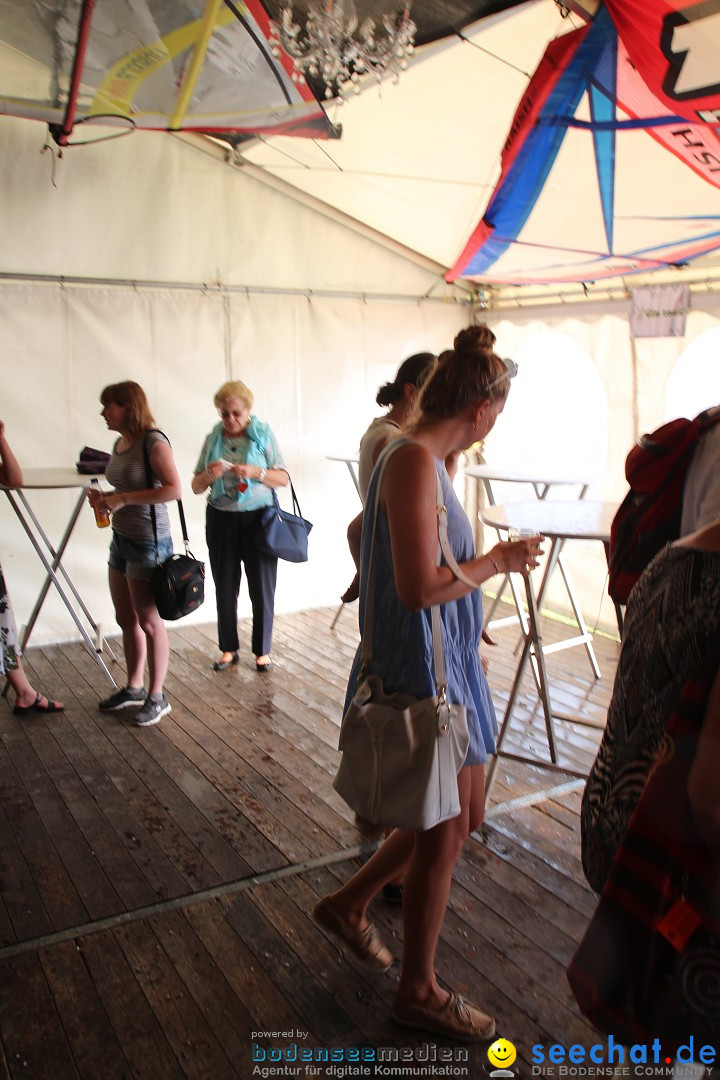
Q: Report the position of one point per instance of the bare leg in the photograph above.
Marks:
(388, 862)
(19, 682)
(426, 892)
(427, 859)
(153, 629)
(24, 691)
(127, 620)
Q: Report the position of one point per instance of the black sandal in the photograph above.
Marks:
(220, 665)
(52, 706)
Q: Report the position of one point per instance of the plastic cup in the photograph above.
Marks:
(514, 533)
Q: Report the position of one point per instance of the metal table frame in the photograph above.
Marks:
(486, 474)
(51, 557)
(558, 522)
(352, 463)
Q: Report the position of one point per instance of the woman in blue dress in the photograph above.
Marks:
(457, 407)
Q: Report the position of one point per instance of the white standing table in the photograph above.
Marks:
(541, 485)
(558, 522)
(51, 556)
(352, 464)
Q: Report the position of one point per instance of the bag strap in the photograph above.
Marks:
(435, 621)
(149, 479)
(296, 504)
(445, 541)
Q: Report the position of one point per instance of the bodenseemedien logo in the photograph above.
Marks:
(501, 1055)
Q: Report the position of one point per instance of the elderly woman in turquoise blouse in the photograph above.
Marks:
(240, 462)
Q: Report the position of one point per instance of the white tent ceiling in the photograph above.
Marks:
(418, 160)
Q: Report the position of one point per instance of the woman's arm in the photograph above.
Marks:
(272, 478)
(273, 474)
(163, 465)
(409, 498)
(204, 479)
(703, 790)
(10, 471)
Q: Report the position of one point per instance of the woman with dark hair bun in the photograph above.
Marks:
(400, 394)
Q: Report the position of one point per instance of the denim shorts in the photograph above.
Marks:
(137, 559)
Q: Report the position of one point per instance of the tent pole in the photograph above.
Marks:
(635, 404)
(220, 288)
(62, 134)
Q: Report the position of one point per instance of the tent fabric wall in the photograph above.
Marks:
(313, 365)
(634, 376)
(152, 207)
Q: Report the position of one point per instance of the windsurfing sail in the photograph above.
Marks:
(175, 65)
(615, 138)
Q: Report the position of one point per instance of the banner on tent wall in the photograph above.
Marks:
(659, 311)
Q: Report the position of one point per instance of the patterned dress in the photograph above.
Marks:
(9, 645)
(672, 617)
(402, 639)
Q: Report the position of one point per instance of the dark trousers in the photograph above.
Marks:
(231, 545)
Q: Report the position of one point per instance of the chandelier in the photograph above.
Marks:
(329, 47)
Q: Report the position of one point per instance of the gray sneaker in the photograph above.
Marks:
(125, 698)
(152, 711)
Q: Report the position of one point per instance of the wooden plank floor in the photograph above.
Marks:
(156, 884)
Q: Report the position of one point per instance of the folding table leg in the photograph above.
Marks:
(53, 578)
(337, 615)
(580, 620)
(532, 643)
(57, 566)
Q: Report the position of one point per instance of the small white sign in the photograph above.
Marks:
(659, 310)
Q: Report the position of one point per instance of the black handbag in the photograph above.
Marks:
(178, 584)
(283, 534)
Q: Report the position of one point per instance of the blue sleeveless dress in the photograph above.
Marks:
(402, 639)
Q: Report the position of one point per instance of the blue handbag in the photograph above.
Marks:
(283, 534)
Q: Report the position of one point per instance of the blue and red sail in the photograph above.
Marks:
(587, 189)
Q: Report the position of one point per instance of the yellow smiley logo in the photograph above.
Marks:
(502, 1053)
